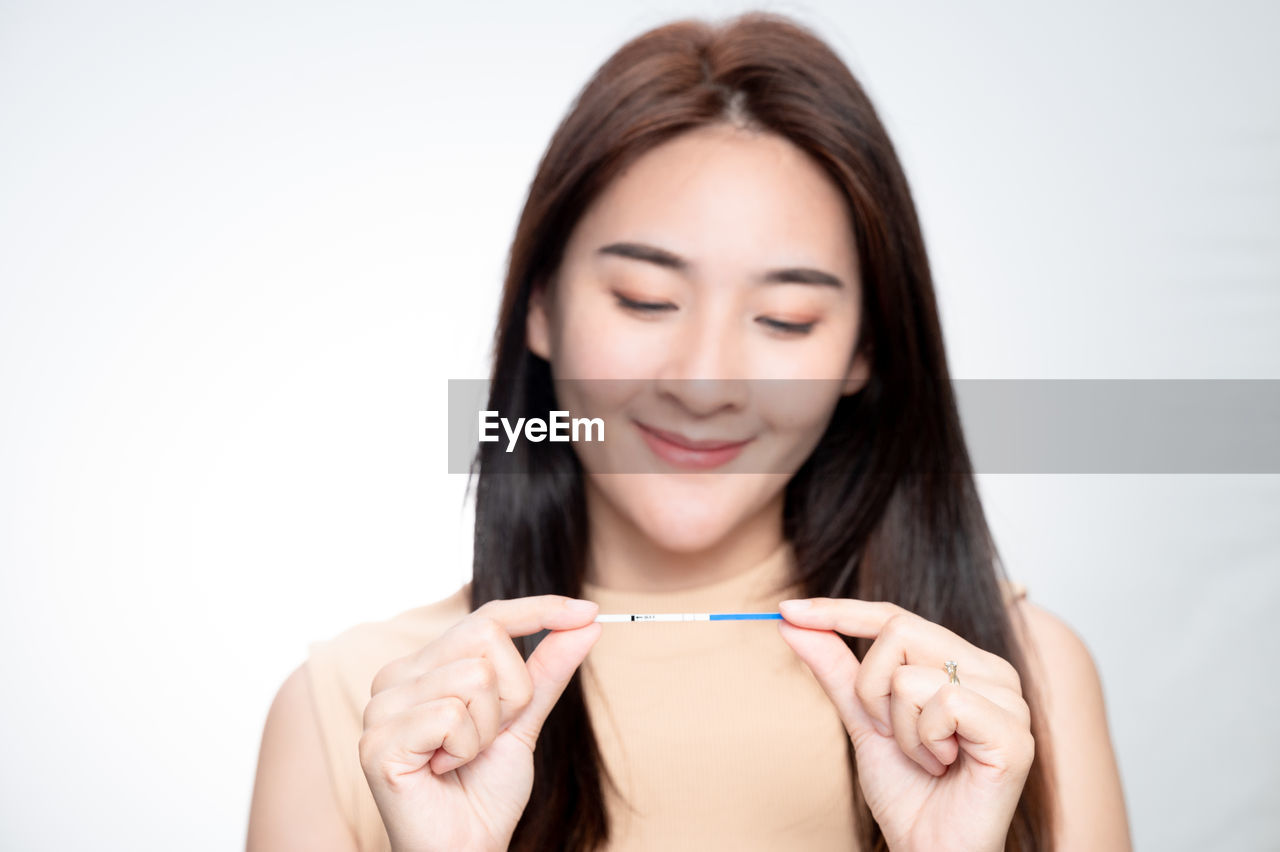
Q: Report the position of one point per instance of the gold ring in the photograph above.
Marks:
(951, 671)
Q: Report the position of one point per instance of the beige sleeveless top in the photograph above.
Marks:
(716, 732)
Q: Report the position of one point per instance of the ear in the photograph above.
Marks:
(538, 322)
(859, 372)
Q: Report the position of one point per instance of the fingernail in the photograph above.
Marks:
(793, 605)
(579, 605)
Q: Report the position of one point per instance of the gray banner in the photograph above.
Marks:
(1010, 425)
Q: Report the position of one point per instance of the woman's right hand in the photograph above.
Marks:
(449, 731)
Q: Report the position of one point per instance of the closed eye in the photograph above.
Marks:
(796, 328)
(789, 328)
(643, 307)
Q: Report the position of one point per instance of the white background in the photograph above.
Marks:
(244, 246)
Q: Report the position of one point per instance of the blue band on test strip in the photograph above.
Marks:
(745, 616)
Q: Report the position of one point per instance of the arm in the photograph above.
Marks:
(294, 807)
(1091, 808)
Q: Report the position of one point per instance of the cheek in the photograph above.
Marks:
(805, 379)
(822, 356)
(598, 342)
(592, 365)
(796, 413)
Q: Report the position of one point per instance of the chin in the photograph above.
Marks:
(685, 525)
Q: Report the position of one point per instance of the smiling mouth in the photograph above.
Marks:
(687, 452)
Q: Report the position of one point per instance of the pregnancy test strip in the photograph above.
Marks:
(692, 616)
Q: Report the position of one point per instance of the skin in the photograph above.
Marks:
(449, 731)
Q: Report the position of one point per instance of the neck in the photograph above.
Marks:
(621, 556)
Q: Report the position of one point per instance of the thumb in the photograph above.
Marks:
(551, 667)
(836, 669)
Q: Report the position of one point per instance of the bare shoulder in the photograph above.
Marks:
(310, 791)
(293, 805)
(1063, 672)
(1054, 647)
(1086, 778)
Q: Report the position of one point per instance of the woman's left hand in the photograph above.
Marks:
(941, 765)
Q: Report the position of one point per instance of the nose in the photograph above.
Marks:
(703, 370)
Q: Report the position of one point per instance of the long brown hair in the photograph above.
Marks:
(885, 508)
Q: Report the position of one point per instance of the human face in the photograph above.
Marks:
(725, 207)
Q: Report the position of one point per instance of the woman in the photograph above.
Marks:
(719, 245)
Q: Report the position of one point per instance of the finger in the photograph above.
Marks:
(844, 615)
(487, 632)
(472, 679)
(486, 715)
(551, 667)
(514, 617)
(835, 668)
(904, 639)
(913, 686)
(901, 638)
(922, 642)
(406, 742)
(524, 616)
(958, 718)
(473, 637)
(917, 684)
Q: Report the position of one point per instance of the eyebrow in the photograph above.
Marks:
(668, 260)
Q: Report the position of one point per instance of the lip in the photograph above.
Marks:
(684, 452)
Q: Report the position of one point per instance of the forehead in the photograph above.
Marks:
(728, 198)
